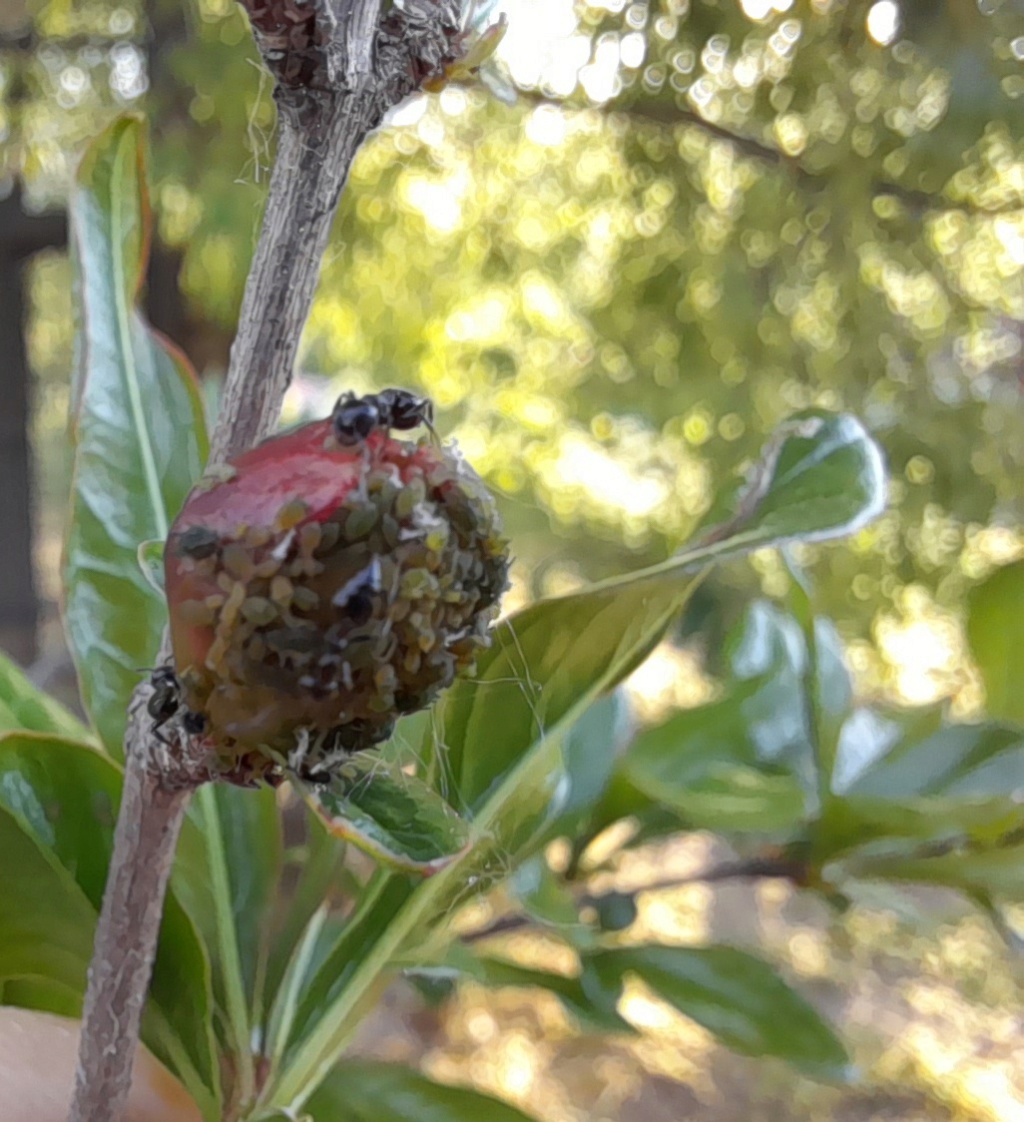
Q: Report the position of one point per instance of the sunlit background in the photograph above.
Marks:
(646, 234)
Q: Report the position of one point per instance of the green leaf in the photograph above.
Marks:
(137, 428)
(344, 958)
(253, 847)
(590, 751)
(964, 781)
(585, 1001)
(314, 873)
(768, 651)
(745, 762)
(228, 864)
(981, 761)
(151, 562)
(734, 995)
(991, 874)
(287, 994)
(42, 994)
(501, 732)
(704, 764)
(24, 706)
(46, 921)
(64, 796)
(821, 477)
(827, 693)
(547, 899)
(995, 622)
(249, 825)
(394, 817)
(368, 1091)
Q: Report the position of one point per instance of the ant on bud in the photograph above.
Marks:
(356, 417)
(164, 705)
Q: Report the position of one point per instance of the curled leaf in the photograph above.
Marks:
(394, 817)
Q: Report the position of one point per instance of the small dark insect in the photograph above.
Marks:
(165, 700)
(197, 542)
(194, 724)
(400, 409)
(355, 597)
(356, 417)
(165, 704)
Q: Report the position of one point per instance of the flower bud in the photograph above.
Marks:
(321, 585)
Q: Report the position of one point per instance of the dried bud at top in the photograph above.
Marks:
(319, 588)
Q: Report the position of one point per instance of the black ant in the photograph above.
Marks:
(356, 417)
(164, 704)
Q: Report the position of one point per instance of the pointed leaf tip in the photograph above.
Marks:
(820, 476)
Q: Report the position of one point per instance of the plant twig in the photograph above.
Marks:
(355, 66)
(148, 824)
(756, 868)
(671, 113)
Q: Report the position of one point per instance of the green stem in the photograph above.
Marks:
(227, 946)
(325, 1044)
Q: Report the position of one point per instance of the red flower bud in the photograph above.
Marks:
(326, 582)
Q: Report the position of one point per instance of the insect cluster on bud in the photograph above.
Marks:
(325, 583)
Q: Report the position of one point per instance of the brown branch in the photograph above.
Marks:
(758, 868)
(148, 825)
(363, 65)
(665, 113)
(319, 132)
(672, 114)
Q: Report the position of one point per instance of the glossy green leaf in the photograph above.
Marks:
(768, 657)
(585, 1000)
(745, 762)
(866, 737)
(961, 781)
(980, 761)
(995, 623)
(396, 818)
(250, 827)
(501, 732)
(287, 994)
(253, 846)
(137, 428)
(590, 751)
(46, 921)
(739, 998)
(704, 764)
(369, 1091)
(314, 873)
(821, 477)
(547, 899)
(827, 693)
(344, 959)
(25, 706)
(64, 796)
(988, 874)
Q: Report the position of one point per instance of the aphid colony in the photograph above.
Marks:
(324, 583)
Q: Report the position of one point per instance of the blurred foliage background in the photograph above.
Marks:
(684, 221)
(649, 233)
